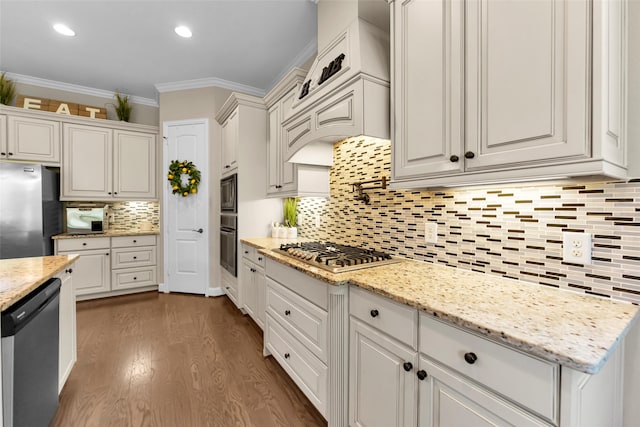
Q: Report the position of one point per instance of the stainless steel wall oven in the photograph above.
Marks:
(228, 243)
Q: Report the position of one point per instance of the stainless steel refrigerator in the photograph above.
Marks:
(30, 210)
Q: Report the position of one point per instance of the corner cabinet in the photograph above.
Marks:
(285, 179)
(229, 154)
(501, 91)
(105, 164)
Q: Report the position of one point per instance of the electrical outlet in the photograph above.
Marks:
(576, 247)
(431, 232)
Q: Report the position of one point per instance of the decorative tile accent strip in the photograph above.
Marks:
(512, 232)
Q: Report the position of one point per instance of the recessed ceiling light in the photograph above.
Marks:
(183, 31)
(64, 30)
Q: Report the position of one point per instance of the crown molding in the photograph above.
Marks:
(310, 50)
(69, 87)
(209, 82)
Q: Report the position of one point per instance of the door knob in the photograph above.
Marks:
(199, 230)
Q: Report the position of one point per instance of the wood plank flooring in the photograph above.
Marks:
(157, 359)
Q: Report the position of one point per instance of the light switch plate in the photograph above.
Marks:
(431, 232)
(576, 247)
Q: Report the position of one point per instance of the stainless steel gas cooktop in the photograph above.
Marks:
(334, 257)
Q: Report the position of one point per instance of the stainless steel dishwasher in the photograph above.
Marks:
(30, 331)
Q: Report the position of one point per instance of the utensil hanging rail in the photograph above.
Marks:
(359, 185)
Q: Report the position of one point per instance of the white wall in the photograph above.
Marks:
(197, 104)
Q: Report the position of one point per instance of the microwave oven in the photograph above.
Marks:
(85, 220)
(229, 194)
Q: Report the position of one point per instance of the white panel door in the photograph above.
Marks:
(187, 237)
(527, 81)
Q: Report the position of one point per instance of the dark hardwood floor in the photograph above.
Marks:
(176, 360)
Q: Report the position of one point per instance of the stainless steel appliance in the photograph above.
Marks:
(334, 257)
(30, 212)
(229, 194)
(229, 243)
(30, 334)
(85, 220)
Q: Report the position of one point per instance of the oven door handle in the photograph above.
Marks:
(227, 231)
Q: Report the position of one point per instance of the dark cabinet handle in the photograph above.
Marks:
(246, 252)
(287, 312)
(407, 366)
(259, 258)
(135, 257)
(115, 192)
(469, 155)
(70, 270)
(374, 313)
(109, 193)
(84, 244)
(226, 287)
(227, 166)
(253, 270)
(287, 355)
(454, 158)
(470, 358)
(10, 153)
(422, 374)
(4, 154)
(135, 278)
(107, 254)
(135, 241)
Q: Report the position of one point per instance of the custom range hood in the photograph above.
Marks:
(346, 92)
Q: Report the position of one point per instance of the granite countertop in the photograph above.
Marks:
(108, 233)
(575, 330)
(19, 276)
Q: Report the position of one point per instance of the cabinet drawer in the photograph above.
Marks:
(230, 286)
(252, 254)
(304, 320)
(124, 241)
(133, 257)
(83, 243)
(397, 320)
(309, 373)
(133, 278)
(526, 380)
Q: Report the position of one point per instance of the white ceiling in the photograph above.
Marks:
(130, 46)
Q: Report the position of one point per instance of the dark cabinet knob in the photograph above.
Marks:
(3, 153)
(227, 166)
(470, 358)
(135, 278)
(107, 254)
(109, 193)
(259, 258)
(469, 155)
(135, 241)
(115, 192)
(287, 355)
(287, 312)
(135, 257)
(226, 287)
(454, 158)
(10, 153)
(422, 374)
(253, 270)
(246, 252)
(69, 270)
(407, 366)
(374, 313)
(84, 244)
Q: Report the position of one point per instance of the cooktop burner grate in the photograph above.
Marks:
(335, 257)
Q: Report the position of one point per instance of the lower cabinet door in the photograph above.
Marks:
(249, 291)
(92, 272)
(67, 354)
(450, 400)
(382, 379)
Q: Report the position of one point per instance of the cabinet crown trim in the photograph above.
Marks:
(236, 99)
(293, 77)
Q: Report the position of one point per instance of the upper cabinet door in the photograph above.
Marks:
(87, 171)
(527, 82)
(230, 143)
(33, 140)
(428, 78)
(134, 175)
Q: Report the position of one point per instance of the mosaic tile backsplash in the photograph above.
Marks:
(508, 231)
(127, 215)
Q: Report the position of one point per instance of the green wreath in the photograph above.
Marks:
(178, 168)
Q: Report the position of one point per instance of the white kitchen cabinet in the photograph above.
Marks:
(134, 165)
(382, 379)
(253, 284)
(112, 265)
(287, 179)
(68, 353)
(92, 271)
(230, 287)
(3, 135)
(230, 144)
(501, 91)
(31, 139)
(95, 170)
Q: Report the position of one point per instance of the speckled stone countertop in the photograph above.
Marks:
(19, 276)
(575, 330)
(108, 233)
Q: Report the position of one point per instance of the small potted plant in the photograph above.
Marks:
(291, 217)
(123, 109)
(7, 90)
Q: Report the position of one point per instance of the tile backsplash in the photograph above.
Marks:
(513, 231)
(127, 215)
